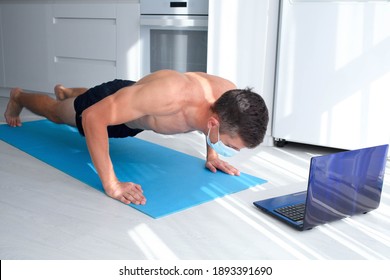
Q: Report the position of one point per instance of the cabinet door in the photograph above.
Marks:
(84, 43)
(333, 74)
(73, 44)
(25, 46)
(95, 43)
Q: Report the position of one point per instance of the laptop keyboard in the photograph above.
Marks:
(294, 212)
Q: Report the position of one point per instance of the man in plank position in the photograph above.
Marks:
(167, 102)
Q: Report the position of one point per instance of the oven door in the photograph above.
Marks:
(173, 42)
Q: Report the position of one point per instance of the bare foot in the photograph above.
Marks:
(63, 93)
(60, 92)
(13, 109)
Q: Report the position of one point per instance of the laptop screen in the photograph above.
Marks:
(344, 184)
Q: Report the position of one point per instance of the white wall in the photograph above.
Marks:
(242, 45)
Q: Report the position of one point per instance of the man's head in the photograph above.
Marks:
(242, 113)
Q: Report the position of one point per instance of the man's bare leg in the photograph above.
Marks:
(41, 104)
(62, 92)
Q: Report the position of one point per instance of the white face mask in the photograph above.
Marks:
(220, 147)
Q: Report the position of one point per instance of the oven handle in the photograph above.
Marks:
(175, 21)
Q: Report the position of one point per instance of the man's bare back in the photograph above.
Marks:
(178, 102)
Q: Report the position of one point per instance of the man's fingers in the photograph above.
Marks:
(211, 167)
(124, 200)
(132, 193)
(231, 170)
(228, 170)
(134, 198)
(223, 166)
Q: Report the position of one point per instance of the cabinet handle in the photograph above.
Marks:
(178, 4)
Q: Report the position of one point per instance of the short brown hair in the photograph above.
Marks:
(244, 113)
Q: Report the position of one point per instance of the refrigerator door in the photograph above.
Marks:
(333, 73)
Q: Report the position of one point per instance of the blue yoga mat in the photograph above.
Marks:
(172, 181)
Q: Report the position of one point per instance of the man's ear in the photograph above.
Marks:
(213, 121)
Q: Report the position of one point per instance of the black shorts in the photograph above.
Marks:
(96, 94)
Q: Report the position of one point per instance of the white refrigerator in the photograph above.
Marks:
(333, 73)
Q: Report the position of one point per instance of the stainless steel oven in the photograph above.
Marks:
(174, 35)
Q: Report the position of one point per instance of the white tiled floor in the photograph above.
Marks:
(45, 214)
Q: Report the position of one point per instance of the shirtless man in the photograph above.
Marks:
(166, 102)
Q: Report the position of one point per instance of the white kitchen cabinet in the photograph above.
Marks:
(333, 76)
(25, 46)
(74, 44)
(83, 43)
(95, 43)
(242, 38)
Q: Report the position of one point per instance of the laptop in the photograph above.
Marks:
(340, 185)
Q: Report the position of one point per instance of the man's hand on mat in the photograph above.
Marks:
(126, 192)
(215, 163)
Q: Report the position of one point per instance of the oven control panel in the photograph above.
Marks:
(178, 7)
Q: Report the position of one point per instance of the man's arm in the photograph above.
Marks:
(126, 105)
(95, 120)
